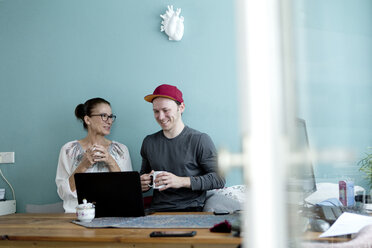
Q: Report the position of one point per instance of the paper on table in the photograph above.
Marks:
(368, 206)
(347, 223)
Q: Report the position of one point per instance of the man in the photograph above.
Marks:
(187, 157)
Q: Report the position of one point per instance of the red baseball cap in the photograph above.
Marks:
(167, 91)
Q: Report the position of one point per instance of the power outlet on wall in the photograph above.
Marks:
(6, 157)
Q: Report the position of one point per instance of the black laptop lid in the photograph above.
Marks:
(114, 194)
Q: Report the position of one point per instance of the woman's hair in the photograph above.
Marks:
(82, 110)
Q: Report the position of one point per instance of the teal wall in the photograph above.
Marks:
(57, 54)
(334, 45)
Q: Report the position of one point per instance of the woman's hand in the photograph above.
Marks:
(87, 160)
(100, 154)
(92, 155)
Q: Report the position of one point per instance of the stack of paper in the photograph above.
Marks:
(347, 223)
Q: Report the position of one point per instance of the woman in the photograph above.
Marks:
(94, 153)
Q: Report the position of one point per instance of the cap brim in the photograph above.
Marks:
(150, 98)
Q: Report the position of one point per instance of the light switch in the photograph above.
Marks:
(6, 157)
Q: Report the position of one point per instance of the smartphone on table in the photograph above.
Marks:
(173, 234)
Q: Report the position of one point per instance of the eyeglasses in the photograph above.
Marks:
(105, 117)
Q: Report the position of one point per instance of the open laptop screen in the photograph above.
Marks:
(301, 179)
(114, 194)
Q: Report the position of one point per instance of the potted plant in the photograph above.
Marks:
(366, 166)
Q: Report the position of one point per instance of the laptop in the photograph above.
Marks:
(114, 194)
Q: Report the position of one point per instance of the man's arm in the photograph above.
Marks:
(145, 170)
(205, 182)
(207, 159)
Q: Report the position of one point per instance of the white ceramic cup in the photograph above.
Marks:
(154, 175)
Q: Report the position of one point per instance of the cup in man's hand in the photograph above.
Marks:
(153, 177)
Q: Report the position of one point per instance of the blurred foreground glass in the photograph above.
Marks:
(295, 63)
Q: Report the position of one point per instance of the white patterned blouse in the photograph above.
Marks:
(70, 157)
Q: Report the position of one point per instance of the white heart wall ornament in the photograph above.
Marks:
(172, 24)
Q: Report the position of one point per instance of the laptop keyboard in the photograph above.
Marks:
(331, 213)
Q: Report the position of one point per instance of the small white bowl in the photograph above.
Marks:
(85, 212)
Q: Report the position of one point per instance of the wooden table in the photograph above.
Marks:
(56, 230)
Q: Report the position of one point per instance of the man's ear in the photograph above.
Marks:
(182, 107)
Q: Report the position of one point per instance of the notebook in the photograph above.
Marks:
(114, 194)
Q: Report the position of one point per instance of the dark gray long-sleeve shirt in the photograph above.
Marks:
(190, 154)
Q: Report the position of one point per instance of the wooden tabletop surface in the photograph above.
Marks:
(59, 228)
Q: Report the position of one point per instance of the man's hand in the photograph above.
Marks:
(145, 181)
(172, 181)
